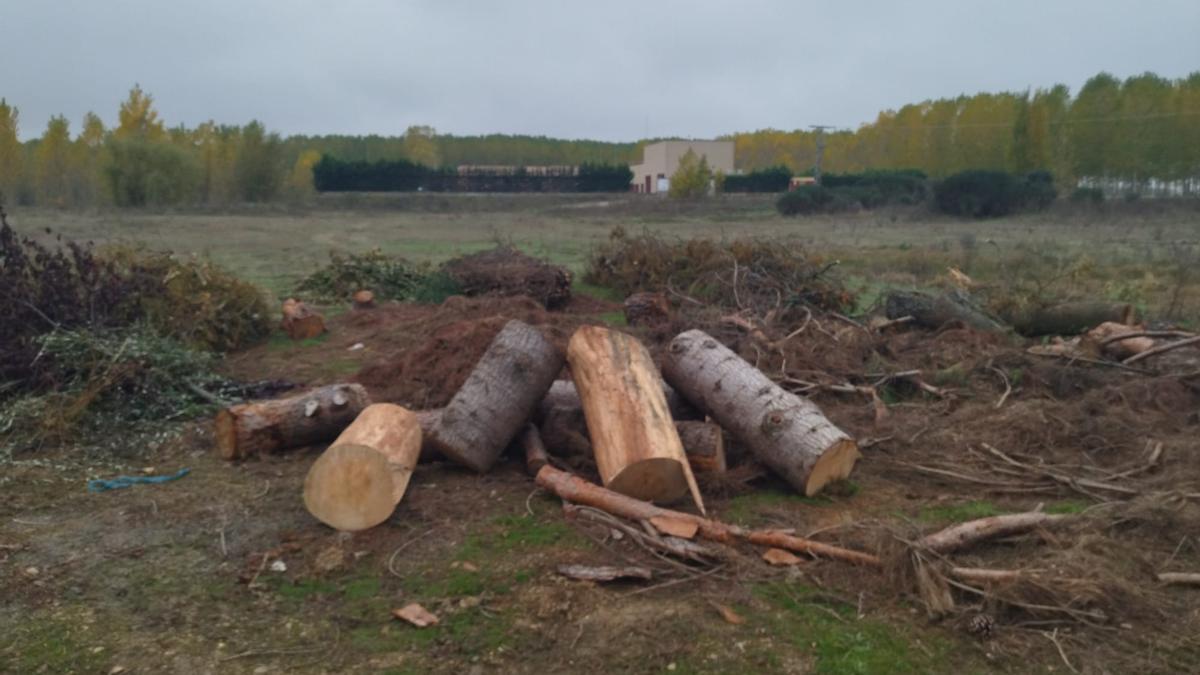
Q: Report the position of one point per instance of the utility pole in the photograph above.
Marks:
(820, 129)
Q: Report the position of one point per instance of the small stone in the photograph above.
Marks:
(278, 566)
(32, 571)
(116, 670)
(97, 650)
(671, 666)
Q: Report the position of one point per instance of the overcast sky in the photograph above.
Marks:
(575, 69)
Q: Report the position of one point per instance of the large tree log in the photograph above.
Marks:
(300, 322)
(784, 431)
(498, 398)
(578, 491)
(1070, 318)
(263, 427)
(637, 449)
(358, 481)
(930, 311)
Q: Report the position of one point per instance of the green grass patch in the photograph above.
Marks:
(958, 513)
(280, 341)
(842, 644)
(45, 644)
(596, 291)
(749, 509)
(612, 319)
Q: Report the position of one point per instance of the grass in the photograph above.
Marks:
(841, 643)
(750, 509)
(52, 644)
(958, 513)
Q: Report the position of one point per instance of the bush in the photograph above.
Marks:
(107, 383)
(388, 277)
(804, 200)
(1087, 195)
(773, 179)
(604, 177)
(771, 272)
(990, 194)
(898, 186)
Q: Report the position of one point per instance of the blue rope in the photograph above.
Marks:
(105, 484)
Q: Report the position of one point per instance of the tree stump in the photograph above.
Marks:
(364, 299)
(784, 431)
(358, 481)
(300, 322)
(637, 448)
(263, 427)
(647, 309)
(498, 398)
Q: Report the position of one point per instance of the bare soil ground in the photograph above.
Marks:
(186, 576)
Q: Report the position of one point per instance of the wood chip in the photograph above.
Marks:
(778, 556)
(603, 572)
(729, 615)
(416, 615)
(676, 527)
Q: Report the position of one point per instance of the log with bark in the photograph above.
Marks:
(784, 431)
(1070, 318)
(935, 311)
(263, 427)
(498, 398)
(535, 451)
(299, 321)
(358, 481)
(563, 394)
(637, 449)
(704, 445)
(646, 309)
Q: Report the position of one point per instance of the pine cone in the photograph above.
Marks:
(981, 626)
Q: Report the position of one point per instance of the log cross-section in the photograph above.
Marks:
(498, 398)
(788, 433)
(637, 448)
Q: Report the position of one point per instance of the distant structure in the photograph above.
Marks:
(660, 160)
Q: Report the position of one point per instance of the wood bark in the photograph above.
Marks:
(935, 311)
(358, 481)
(498, 398)
(784, 431)
(704, 445)
(535, 450)
(574, 489)
(263, 427)
(637, 449)
(1070, 318)
(646, 309)
(300, 322)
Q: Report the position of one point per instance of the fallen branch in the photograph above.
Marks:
(1180, 578)
(1161, 349)
(965, 535)
(574, 489)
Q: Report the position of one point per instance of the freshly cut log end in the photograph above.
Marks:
(788, 433)
(835, 464)
(358, 481)
(263, 427)
(498, 398)
(300, 322)
(637, 448)
(364, 299)
(350, 488)
(658, 479)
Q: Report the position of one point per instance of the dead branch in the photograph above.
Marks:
(1180, 578)
(1161, 349)
(965, 535)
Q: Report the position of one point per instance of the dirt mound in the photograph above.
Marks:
(505, 271)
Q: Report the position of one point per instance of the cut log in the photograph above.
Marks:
(935, 311)
(647, 309)
(784, 431)
(300, 322)
(1070, 318)
(364, 299)
(358, 481)
(498, 398)
(1107, 338)
(704, 445)
(264, 427)
(637, 449)
(563, 394)
(574, 489)
(535, 450)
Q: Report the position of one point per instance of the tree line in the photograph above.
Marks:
(1138, 128)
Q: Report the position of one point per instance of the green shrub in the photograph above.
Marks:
(990, 194)
(1037, 190)
(1087, 195)
(773, 179)
(805, 200)
(388, 277)
(895, 186)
